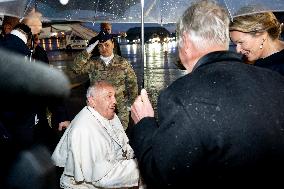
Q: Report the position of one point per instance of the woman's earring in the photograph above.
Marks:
(261, 46)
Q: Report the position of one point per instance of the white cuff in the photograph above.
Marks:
(90, 48)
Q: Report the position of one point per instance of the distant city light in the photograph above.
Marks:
(63, 2)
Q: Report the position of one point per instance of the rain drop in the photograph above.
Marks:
(218, 108)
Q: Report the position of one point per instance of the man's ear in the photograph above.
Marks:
(186, 42)
(91, 101)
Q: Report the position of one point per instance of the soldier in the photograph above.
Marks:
(113, 68)
(105, 27)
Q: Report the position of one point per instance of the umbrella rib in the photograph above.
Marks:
(230, 14)
(96, 9)
(28, 6)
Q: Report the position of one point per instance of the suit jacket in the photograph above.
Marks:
(20, 121)
(23, 122)
(220, 125)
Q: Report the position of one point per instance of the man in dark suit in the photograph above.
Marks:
(22, 120)
(16, 41)
(221, 124)
(30, 121)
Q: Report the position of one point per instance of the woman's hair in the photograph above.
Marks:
(257, 23)
(207, 23)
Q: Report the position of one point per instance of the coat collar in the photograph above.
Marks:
(20, 35)
(218, 56)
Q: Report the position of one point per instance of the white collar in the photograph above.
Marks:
(107, 59)
(101, 118)
(115, 130)
(20, 35)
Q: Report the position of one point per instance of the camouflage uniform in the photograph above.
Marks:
(119, 73)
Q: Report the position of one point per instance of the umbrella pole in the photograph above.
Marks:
(142, 43)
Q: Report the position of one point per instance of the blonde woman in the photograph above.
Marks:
(257, 37)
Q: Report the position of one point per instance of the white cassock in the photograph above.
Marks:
(94, 152)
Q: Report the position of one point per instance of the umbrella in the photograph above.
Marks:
(91, 11)
(117, 11)
(127, 11)
(12, 7)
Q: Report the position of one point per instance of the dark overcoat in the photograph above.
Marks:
(15, 44)
(274, 62)
(221, 125)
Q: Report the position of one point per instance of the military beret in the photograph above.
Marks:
(104, 36)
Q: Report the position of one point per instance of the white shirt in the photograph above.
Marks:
(20, 35)
(107, 59)
(90, 151)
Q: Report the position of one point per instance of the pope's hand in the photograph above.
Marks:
(63, 125)
(141, 107)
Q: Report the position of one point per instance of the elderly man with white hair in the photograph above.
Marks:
(94, 149)
(221, 125)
